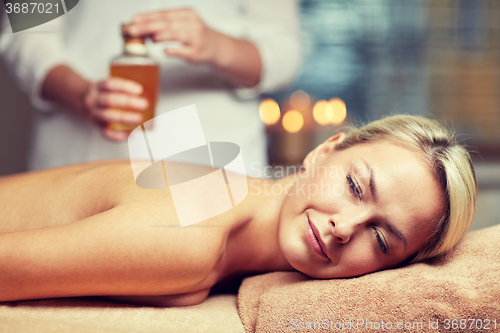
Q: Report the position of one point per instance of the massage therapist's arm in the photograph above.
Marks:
(101, 102)
(236, 60)
(113, 253)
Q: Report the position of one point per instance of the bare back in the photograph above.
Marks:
(85, 217)
(59, 196)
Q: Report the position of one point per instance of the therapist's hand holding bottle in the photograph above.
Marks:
(236, 60)
(102, 101)
(105, 101)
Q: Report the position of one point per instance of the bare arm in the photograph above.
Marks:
(237, 60)
(102, 102)
(66, 87)
(186, 299)
(113, 253)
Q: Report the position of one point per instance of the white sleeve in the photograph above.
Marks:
(30, 55)
(273, 26)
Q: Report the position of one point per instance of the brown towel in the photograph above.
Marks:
(458, 292)
(94, 315)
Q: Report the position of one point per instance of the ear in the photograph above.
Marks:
(323, 149)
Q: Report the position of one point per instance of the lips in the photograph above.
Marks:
(312, 236)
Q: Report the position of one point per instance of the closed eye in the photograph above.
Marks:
(380, 241)
(353, 186)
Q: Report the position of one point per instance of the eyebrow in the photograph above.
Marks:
(396, 232)
(373, 190)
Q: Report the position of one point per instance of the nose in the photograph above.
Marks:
(342, 231)
(344, 228)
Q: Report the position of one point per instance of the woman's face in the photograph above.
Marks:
(359, 210)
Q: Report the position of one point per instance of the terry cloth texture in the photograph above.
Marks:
(90, 314)
(463, 284)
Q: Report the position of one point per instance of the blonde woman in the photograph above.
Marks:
(395, 191)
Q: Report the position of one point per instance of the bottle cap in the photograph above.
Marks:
(126, 34)
(125, 27)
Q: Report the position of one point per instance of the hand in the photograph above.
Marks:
(105, 100)
(200, 43)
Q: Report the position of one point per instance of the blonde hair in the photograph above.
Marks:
(450, 163)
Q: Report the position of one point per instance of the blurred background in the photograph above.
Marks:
(363, 59)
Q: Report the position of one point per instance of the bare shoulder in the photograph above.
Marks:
(39, 199)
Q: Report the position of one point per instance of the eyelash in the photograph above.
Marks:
(353, 186)
(355, 189)
(380, 241)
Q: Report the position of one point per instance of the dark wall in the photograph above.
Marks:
(15, 124)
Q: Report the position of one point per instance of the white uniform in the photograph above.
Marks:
(87, 37)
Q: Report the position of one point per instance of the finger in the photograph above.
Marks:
(114, 100)
(120, 85)
(163, 36)
(187, 53)
(171, 14)
(178, 31)
(115, 135)
(147, 28)
(152, 16)
(117, 116)
(151, 23)
(169, 36)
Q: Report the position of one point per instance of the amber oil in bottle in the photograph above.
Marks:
(135, 64)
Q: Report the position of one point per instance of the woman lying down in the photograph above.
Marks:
(88, 230)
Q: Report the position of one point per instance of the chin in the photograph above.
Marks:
(295, 249)
(300, 260)
(294, 252)
(306, 265)
(315, 274)
(321, 274)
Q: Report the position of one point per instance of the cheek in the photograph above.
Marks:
(290, 238)
(368, 258)
(354, 260)
(319, 188)
(360, 262)
(326, 194)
